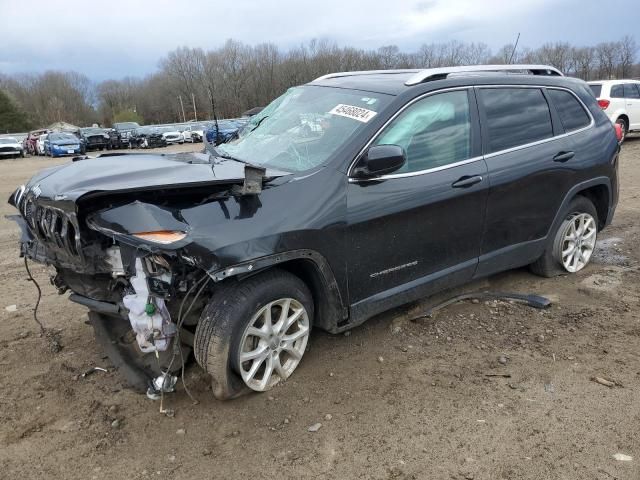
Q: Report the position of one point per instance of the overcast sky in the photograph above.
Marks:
(116, 38)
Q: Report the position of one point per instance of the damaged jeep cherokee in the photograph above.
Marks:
(345, 197)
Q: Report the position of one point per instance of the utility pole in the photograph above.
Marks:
(184, 119)
(195, 113)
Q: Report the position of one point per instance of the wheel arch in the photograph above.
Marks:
(600, 197)
(312, 268)
(624, 117)
(598, 191)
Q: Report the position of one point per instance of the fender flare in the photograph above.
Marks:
(575, 190)
(334, 313)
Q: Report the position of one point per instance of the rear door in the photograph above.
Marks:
(632, 97)
(530, 171)
(425, 220)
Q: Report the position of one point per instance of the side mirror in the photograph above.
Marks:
(380, 160)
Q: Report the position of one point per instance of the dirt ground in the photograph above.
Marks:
(396, 399)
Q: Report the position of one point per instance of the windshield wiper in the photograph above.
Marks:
(217, 153)
(259, 123)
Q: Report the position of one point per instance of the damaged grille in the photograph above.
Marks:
(52, 226)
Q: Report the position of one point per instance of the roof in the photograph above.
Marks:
(396, 81)
(599, 82)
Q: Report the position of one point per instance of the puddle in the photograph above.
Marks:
(607, 252)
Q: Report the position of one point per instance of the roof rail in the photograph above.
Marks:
(365, 72)
(441, 73)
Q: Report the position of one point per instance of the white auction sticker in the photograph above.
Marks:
(356, 113)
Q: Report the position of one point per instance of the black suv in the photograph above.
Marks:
(94, 138)
(124, 131)
(345, 197)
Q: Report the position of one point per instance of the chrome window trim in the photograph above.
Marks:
(473, 159)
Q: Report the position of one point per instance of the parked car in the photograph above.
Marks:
(60, 144)
(40, 144)
(94, 138)
(409, 182)
(620, 100)
(171, 135)
(147, 137)
(29, 143)
(124, 130)
(228, 130)
(10, 148)
(114, 141)
(194, 132)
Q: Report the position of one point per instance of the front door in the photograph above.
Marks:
(424, 222)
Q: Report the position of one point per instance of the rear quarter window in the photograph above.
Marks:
(571, 112)
(596, 89)
(515, 116)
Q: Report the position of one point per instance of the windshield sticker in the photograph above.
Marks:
(356, 113)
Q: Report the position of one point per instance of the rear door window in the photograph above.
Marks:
(617, 91)
(514, 117)
(596, 89)
(571, 112)
(631, 91)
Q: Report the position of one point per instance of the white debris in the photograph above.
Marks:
(315, 427)
(11, 308)
(621, 457)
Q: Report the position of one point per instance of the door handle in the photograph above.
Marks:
(466, 181)
(563, 156)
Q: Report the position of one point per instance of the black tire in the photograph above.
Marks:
(550, 263)
(226, 316)
(624, 127)
(117, 339)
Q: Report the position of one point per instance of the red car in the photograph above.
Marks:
(30, 143)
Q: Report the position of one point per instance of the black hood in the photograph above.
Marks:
(131, 172)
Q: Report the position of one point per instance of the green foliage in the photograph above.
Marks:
(12, 119)
(127, 116)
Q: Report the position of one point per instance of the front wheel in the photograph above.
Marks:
(571, 247)
(253, 334)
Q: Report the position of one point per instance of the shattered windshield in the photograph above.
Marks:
(304, 127)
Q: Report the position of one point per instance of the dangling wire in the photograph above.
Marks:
(202, 283)
(35, 309)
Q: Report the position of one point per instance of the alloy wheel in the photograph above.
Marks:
(578, 241)
(273, 343)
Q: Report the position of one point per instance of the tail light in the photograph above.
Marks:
(603, 104)
(618, 128)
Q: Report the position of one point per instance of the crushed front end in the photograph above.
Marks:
(135, 285)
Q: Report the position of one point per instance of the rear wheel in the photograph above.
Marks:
(256, 331)
(624, 128)
(571, 246)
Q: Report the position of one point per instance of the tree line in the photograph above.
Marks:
(196, 83)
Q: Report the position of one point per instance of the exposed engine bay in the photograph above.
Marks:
(127, 257)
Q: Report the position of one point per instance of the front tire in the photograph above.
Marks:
(253, 334)
(571, 246)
